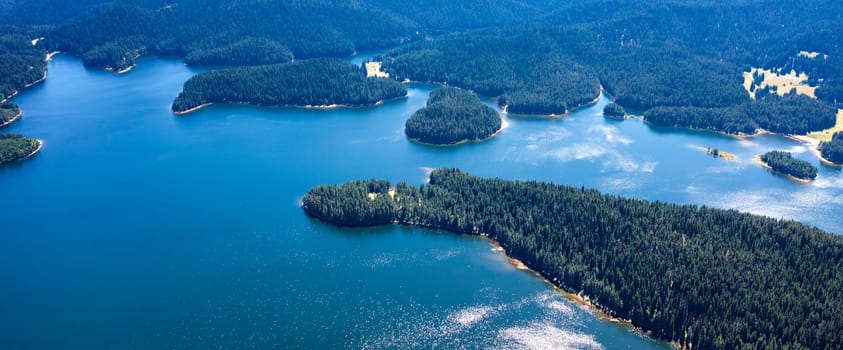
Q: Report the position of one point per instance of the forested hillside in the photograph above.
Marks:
(313, 82)
(21, 61)
(708, 278)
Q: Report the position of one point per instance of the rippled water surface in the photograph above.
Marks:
(137, 229)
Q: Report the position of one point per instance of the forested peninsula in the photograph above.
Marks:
(452, 115)
(832, 151)
(702, 277)
(322, 82)
(14, 147)
(9, 112)
(784, 163)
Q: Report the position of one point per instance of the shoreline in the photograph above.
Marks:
(827, 162)
(504, 125)
(758, 160)
(574, 297)
(554, 115)
(126, 70)
(316, 107)
(14, 119)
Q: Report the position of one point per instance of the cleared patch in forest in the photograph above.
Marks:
(782, 83)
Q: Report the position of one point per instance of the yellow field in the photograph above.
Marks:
(826, 134)
(373, 69)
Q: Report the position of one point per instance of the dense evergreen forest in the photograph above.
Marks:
(14, 147)
(783, 162)
(613, 110)
(21, 62)
(522, 69)
(452, 115)
(710, 278)
(833, 150)
(313, 82)
(790, 114)
(8, 112)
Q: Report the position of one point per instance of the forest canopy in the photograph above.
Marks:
(452, 115)
(783, 162)
(708, 278)
(313, 82)
(833, 150)
(14, 147)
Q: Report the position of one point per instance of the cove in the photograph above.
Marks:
(135, 228)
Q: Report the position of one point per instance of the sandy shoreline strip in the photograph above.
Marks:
(760, 162)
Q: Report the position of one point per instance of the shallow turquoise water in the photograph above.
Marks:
(137, 229)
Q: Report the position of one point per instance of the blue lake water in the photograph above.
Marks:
(134, 228)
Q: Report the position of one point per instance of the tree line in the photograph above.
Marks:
(313, 82)
(833, 150)
(452, 115)
(706, 278)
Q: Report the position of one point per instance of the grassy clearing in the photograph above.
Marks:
(825, 135)
(373, 69)
(784, 83)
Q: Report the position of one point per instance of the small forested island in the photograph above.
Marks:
(613, 110)
(323, 82)
(9, 112)
(783, 162)
(704, 278)
(832, 151)
(14, 147)
(452, 115)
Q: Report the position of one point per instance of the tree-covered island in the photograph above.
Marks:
(832, 151)
(452, 115)
(702, 277)
(783, 162)
(14, 147)
(323, 82)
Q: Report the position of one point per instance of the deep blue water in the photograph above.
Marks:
(134, 228)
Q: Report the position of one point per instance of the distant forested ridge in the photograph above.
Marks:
(313, 82)
(709, 278)
(14, 147)
(536, 57)
(114, 33)
(784, 163)
(8, 112)
(452, 115)
(833, 150)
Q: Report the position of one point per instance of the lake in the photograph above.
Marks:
(134, 228)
